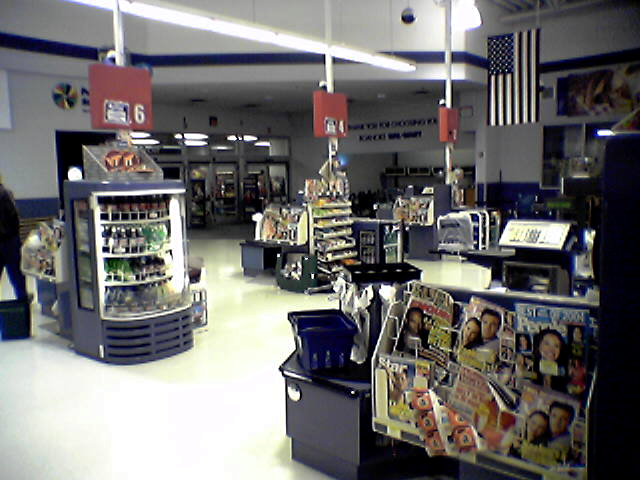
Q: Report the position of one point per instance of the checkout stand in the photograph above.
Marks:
(329, 422)
(329, 412)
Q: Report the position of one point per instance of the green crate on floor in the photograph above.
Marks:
(15, 319)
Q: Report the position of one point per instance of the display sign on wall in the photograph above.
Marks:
(601, 92)
(329, 114)
(5, 109)
(120, 97)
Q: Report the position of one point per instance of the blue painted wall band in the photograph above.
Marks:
(38, 207)
(31, 44)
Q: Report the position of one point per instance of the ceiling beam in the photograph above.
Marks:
(561, 9)
(512, 5)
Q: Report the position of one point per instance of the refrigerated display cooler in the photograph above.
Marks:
(130, 299)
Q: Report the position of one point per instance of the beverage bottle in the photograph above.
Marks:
(105, 239)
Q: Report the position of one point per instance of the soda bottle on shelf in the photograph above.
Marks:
(153, 207)
(134, 208)
(105, 239)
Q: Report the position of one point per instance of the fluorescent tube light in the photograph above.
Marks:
(145, 141)
(195, 136)
(195, 143)
(222, 147)
(178, 136)
(202, 20)
(604, 132)
(263, 143)
(242, 138)
(140, 134)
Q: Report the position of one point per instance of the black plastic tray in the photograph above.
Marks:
(381, 273)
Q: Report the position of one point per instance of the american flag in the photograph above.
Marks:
(514, 78)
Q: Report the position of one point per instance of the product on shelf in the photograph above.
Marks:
(284, 224)
(40, 249)
(124, 161)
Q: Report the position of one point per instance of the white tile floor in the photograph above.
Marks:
(216, 411)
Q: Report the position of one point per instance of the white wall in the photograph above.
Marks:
(28, 160)
(516, 151)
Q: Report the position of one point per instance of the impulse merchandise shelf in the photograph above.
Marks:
(345, 223)
(339, 233)
(137, 222)
(125, 283)
(147, 286)
(338, 246)
(135, 255)
(485, 465)
(335, 258)
(330, 220)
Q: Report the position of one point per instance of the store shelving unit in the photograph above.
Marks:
(330, 237)
(284, 225)
(378, 241)
(225, 194)
(198, 204)
(130, 299)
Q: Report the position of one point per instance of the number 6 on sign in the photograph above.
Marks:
(139, 115)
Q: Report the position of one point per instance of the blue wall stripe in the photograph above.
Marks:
(38, 207)
(20, 42)
(623, 56)
(30, 44)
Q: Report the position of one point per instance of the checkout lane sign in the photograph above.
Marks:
(120, 97)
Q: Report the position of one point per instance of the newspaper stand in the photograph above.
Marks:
(481, 464)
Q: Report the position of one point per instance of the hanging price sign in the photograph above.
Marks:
(120, 97)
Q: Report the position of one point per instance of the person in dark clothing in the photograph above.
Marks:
(10, 242)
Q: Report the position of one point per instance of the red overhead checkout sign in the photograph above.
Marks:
(120, 97)
(329, 114)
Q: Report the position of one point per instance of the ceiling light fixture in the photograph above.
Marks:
(195, 143)
(140, 134)
(202, 20)
(221, 147)
(195, 136)
(263, 143)
(145, 141)
(242, 138)
(465, 15)
(604, 132)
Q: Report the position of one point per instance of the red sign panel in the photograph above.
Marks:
(329, 114)
(120, 97)
(448, 120)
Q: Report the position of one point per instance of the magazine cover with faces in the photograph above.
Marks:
(552, 347)
(486, 337)
(426, 329)
(549, 430)
(405, 380)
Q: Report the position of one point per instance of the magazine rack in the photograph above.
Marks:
(425, 379)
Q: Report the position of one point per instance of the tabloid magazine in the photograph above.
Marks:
(427, 324)
(513, 383)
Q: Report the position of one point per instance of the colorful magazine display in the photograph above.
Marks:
(512, 383)
(427, 324)
(550, 433)
(552, 346)
(487, 337)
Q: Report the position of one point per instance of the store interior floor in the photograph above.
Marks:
(216, 411)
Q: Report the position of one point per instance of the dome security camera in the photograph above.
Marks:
(408, 16)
